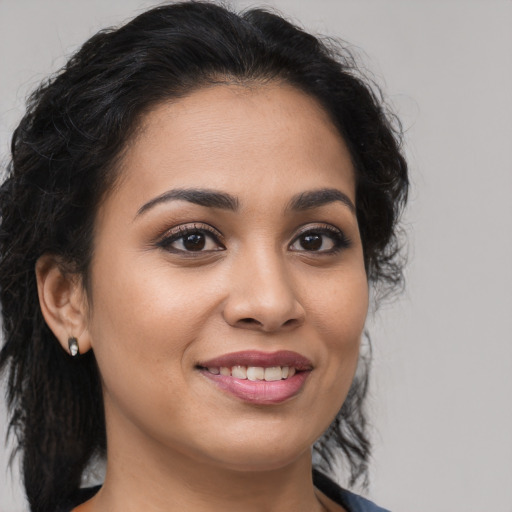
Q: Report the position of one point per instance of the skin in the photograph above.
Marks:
(153, 311)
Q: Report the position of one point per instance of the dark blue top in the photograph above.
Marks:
(349, 501)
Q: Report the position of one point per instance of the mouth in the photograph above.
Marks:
(254, 373)
(258, 377)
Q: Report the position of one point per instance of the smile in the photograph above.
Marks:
(255, 373)
(257, 377)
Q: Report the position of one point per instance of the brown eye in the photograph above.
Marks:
(323, 240)
(311, 241)
(194, 241)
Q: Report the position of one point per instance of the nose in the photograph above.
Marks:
(262, 295)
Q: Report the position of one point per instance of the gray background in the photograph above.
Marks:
(442, 378)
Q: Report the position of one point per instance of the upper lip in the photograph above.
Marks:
(258, 358)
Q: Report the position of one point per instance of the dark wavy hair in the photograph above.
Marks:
(64, 155)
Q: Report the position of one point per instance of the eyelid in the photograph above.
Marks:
(342, 241)
(319, 226)
(337, 235)
(177, 232)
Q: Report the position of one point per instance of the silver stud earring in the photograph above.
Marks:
(73, 347)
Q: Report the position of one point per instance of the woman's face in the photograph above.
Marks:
(229, 249)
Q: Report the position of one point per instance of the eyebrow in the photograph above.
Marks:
(199, 196)
(214, 199)
(316, 198)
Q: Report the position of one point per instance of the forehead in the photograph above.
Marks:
(237, 138)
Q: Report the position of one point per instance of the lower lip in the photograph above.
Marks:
(260, 391)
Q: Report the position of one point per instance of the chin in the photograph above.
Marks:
(256, 455)
(253, 463)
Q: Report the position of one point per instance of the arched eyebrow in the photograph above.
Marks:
(201, 197)
(215, 199)
(316, 198)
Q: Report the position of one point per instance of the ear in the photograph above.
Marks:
(63, 302)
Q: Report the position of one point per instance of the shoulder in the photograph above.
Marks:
(348, 500)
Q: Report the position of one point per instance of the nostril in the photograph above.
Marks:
(250, 321)
(256, 324)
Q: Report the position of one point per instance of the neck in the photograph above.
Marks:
(155, 479)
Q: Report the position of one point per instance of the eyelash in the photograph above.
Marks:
(339, 239)
(181, 232)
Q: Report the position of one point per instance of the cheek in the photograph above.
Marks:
(145, 316)
(137, 323)
(340, 318)
(340, 307)
(140, 329)
(141, 305)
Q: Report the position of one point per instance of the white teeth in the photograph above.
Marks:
(239, 372)
(273, 373)
(255, 373)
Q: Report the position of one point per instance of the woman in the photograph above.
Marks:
(195, 208)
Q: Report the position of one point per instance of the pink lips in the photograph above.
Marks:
(256, 358)
(259, 392)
